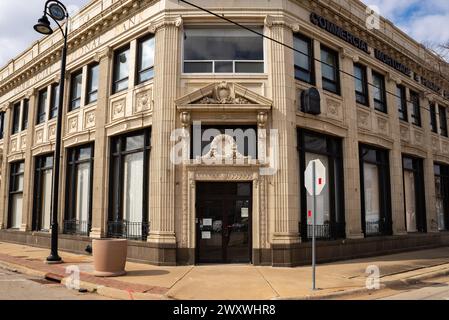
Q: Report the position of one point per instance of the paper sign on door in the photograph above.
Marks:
(207, 222)
(206, 235)
(244, 212)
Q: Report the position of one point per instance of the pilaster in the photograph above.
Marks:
(284, 191)
(162, 170)
(99, 190)
(5, 168)
(351, 164)
(396, 173)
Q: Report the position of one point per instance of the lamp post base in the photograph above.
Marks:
(54, 260)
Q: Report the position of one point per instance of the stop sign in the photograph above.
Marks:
(320, 177)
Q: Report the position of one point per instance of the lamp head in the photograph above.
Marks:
(43, 26)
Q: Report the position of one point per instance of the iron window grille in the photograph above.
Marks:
(77, 227)
(128, 230)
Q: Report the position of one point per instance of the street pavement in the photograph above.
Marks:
(16, 286)
(437, 289)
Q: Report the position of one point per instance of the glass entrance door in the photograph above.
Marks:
(223, 222)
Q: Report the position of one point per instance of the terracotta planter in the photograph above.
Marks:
(109, 257)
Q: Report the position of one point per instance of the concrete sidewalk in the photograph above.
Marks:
(226, 282)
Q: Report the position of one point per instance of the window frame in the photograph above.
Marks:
(73, 99)
(89, 91)
(115, 213)
(382, 163)
(443, 175)
(420, 198)
(234, 72)
(433, 117)
(311, 58)
(139, 59)
(416, 109)
(73, 161)
(334, 152)
(380, 105)
(39, 170)
(42, 114)
(2, 124)
(336, 69)
(54, 103)
(364, 80)
(442, 113)
(14, 175)
(115, 80)
(402, 103)
(25, 112)
(15, 127)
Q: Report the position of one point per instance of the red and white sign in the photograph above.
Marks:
(320, 177)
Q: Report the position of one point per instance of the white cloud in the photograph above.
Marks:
(17, 18)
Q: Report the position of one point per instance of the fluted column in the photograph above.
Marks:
(99, 190)
(162, 170)
(429, 169)
(396, 174)
(351, 164)
(5, 168)
(283, 206)
(28, 185)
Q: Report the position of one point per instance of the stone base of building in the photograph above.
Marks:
(278, 256)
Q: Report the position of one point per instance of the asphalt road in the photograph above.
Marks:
(15, 286)
(434, 291)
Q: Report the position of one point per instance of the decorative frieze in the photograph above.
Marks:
(118, 109)
(363, 120)
(334, 109)
(143, 101)
(405, 133)
(89, 119)
(72, 124)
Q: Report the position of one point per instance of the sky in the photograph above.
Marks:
(424, 20)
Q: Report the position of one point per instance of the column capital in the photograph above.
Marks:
(166, 22)
(349, 54)
(272, 21)
(102, 54)
(394, 78)
(31, 92)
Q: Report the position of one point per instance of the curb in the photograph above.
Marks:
(339, 294)
(101, 290)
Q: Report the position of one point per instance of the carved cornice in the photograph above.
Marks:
(164, 23)
(271, 21)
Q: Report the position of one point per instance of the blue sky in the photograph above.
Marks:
(424, 20)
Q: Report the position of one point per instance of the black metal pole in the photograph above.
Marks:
(54, 256)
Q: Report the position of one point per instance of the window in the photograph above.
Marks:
(76, 84)
(375, 195)
(330, 214)
(380, 103)
(79, 190)
(402, 103)
(54, 101)
(26, 105)
(128, 215)
(16, 195)
(442, 195)
(92, 83)
(145, 59)
(443, 121)
(416, 108)
(42, 193)
(224, 50)
(121, 70)
(16, 118)
(2, 124)
(42, 106)
(304, 62)
(433, 118)
(361, 84)
(415, 215)
(329, 70)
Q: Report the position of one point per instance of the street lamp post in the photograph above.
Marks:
(58, 12)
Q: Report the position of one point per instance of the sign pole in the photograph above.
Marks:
(313, 226)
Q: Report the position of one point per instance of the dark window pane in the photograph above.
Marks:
(42, 105)
(433, 118)
(121, 70)
(249, 67)
(416, 108)
(2, 124)
(402, 103)
(361, 91)
(224, 67)
(16, 118)
(304, 63)
(92, 83)
(329, 70)
(197, 67)
(379, 92)
(135, 142)
(54, 101)
(443, 121)
(75, 90)
(26, 105)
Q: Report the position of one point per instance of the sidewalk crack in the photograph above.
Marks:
(269, 284)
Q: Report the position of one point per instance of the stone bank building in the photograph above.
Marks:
(138, 70)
